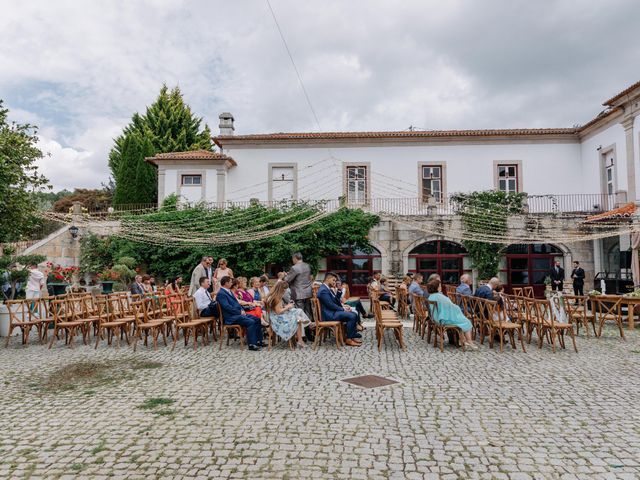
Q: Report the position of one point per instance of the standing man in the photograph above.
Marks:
(137, 288)
(557, 277)
(578, 279)
(299, 280)
(203, 269)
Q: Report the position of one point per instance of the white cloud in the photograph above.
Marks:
(81, 72)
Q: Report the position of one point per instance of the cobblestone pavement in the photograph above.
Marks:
(285, 414)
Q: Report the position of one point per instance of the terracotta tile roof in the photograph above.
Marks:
(629, 89)
(625, 211)
(190, 155)
(397, 134)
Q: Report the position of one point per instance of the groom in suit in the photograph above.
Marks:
(557, 277)
(234, 314)
(333, 310)
(578, 278)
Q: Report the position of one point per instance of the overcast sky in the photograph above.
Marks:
(79, 69)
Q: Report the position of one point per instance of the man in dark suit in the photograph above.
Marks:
(557, 277)
(234, 314)
(578, 278)
(486, 291)
(332, 310)
(136, 287)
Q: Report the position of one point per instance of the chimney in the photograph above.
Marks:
(226, 123)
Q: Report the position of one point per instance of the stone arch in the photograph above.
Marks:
(417, 242)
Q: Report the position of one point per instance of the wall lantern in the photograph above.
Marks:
(73, 230)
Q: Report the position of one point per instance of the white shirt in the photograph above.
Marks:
(36, 280)
(202, 298)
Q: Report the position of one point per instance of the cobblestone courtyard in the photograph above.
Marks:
(283, 414)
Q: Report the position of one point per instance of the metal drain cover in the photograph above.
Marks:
(370, 381)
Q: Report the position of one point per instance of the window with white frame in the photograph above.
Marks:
(609, 174)
(357, 184)
(191, 180)
(432, 182)
(283, 183)
(508, 178)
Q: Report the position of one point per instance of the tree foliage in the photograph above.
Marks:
(13, 268)
(167, 126)
(93, 199)
(19, 178)
(325, 237)
(486, 212)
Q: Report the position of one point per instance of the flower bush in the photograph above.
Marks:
(63, 274)
(109, 275)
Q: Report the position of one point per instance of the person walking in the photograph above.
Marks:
(577, 274)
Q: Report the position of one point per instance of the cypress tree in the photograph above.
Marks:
(168, 125)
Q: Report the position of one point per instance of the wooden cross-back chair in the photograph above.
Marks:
(518, 291)
(532, 318)
(608, 308)
(67, 317)
(579, 313)
(553, 327)
(386, 320)
(188, 322)
(22, 315)
(240, 331)
(403, 302)
(440, 328)
(372, 292)
(528, 292)
(495, 318)
(323, 327)
(419, 314)
(109, 324)
(149, 323)
(468, 305)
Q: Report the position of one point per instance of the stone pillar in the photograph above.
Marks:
(220, 190)
(627, 123)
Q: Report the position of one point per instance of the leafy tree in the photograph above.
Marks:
(167, 126)
(19, 178)
(14, 269)
(46, 200)
(93, 199)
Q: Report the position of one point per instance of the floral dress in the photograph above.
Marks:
(285, 324)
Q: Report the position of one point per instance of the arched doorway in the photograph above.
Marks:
(443, 257)
(354, 266)
(528, 265)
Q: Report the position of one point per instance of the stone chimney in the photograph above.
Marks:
(226, 123)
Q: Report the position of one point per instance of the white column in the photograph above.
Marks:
(627, 123)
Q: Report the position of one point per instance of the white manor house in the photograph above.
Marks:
(591, 168)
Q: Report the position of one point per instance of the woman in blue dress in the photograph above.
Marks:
(286, 320)
(448, 313)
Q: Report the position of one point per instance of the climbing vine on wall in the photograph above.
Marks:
(486, 212)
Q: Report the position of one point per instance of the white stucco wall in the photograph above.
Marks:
(546, 168)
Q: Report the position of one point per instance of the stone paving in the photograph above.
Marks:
(114, 413)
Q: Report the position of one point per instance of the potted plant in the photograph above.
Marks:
(60, 278)
(125, 269)
(107, 279)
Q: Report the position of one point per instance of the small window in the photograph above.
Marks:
(432, 183)
(508, 178)
(190, 180)
(357, 184)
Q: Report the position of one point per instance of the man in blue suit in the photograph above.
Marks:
(333, 310)
(234, 314)
(486, 291)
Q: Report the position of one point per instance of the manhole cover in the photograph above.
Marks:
(370, 381)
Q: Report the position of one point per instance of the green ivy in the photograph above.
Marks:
(487, 212)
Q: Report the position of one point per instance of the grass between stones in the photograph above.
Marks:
(154, 404)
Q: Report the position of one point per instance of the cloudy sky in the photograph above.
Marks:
(79, 70)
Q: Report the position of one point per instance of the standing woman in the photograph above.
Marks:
(286, 320)
(222, 271)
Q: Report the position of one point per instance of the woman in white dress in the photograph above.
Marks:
(286, 320)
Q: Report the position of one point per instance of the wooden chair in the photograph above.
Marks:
(469, 305)
(324, 327)
(386, 322)
(189, 323)
(440, 328)
(533, 318)
(419, 314)
(111, 325)
(403, 302)
(578, 312)
(24, 314)
(608, 308)
(518, 291)
(144, 315)
(500, 325)
(553, 328)
(66, 319)
(528, 292)
(374, 292)
(239, 330)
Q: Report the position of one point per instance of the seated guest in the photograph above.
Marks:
(286, 320)
(374, 282)
(448, 313)
(137, 288)
(465, 285)
(255, 289)
(333, 310)
(287, 294)
(234, 314)
(385, 293)
(486, 291)
(341, 292)
(146, 284)
(204, 303)
(264, 287)
(239, 287)
(415, 288)
(498, 294)
(172, 291)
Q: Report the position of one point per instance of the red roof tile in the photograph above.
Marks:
(625, 211)
(191, 155)
(629, 89)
